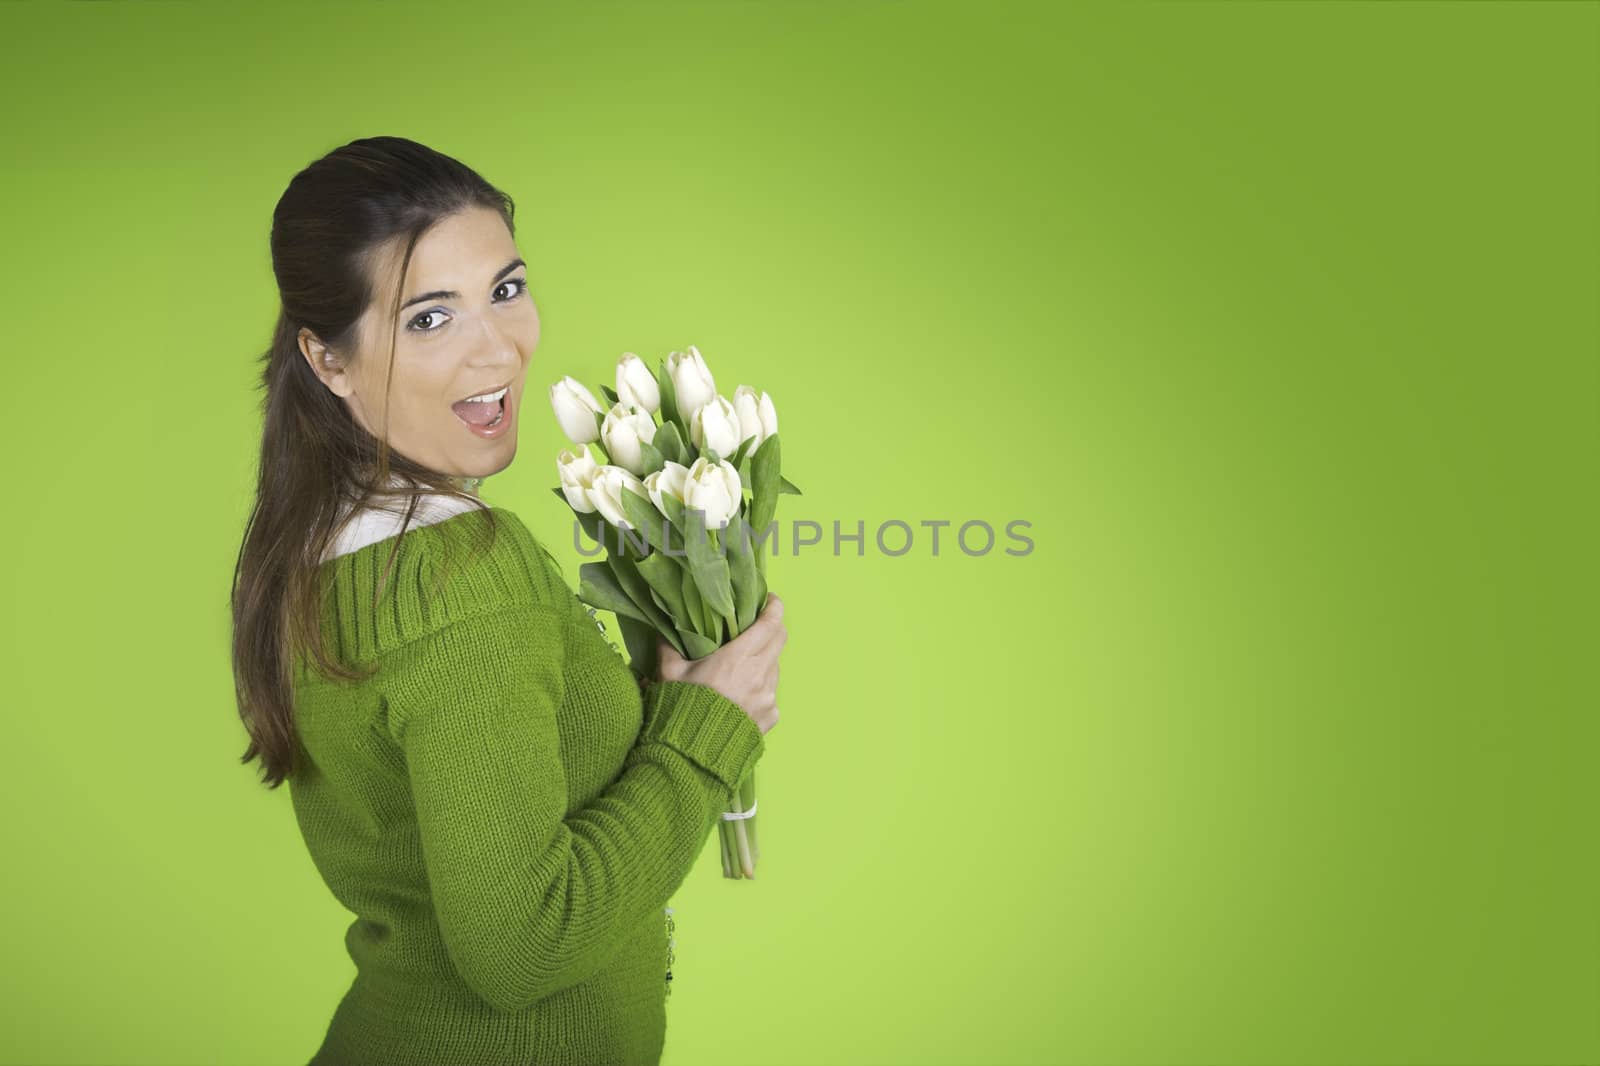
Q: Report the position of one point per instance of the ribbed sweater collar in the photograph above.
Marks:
(516, 569)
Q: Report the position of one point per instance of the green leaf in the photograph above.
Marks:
(653, 459)
(677, 514)
(670, 444)
(649, 522)
(742, 570)
(699, 647)
(596, 446)
(643, 658)
(591, 522)
(598, 587)
(610, 394)
(785, 485)
(766, 473)
(683, 630)
(708, 567)
(669, 395)
(666, 580)
(703, 618)
(765, 468)
(666, 583)
(628, 543)
(744, 446)
(638, 590)
(761, 592)
(694, 607)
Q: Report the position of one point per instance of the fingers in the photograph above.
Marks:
(770, 625)
(763, 633)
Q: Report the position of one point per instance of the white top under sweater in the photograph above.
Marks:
(377, 522)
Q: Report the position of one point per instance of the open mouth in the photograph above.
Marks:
(483, 410)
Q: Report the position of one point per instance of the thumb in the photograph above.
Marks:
(668, 657)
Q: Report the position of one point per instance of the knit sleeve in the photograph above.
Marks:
(530, 899)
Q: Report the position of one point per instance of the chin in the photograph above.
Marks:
(501, 461)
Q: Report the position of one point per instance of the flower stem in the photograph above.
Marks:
(743, 861)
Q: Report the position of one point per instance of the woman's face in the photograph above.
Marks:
(466, 326)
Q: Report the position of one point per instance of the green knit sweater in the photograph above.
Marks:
(500, 807)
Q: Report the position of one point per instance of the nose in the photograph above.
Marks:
(499, 348)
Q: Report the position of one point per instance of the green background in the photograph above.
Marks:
(1277, 321)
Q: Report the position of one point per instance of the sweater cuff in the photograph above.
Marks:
(707, 727)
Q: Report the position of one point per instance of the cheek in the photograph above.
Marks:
(424, 403)
(533, 326)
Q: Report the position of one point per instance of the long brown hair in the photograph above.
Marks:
(330, 231)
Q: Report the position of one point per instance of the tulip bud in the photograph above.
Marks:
(758, 418)
(715, 426)
(623, 429)
(715, 489)
(636, 386)
(606, 490)
(668, 481)
(575, 408)
(692, 384)
(577, 475)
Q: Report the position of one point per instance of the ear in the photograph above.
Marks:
(324, 363)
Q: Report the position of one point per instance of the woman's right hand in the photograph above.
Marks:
(745, 669)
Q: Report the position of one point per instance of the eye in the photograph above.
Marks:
(413, 327)
(521, 286)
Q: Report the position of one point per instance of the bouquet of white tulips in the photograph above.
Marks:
(667, 501)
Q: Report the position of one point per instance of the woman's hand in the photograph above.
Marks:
(745, 669)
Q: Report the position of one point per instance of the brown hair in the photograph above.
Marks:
(331, 230)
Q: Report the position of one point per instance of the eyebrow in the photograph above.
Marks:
(451, 294)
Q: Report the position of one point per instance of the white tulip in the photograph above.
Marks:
(606, 490)
(575, 408)
(577, 475)
(624, 428)
(715, 489)
(715, 426)
(636, 386)
(692, 384)
(757, 417)
(668, 481)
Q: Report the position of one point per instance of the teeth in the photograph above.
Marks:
(488, 397)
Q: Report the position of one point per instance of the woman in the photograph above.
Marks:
(475, 771)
